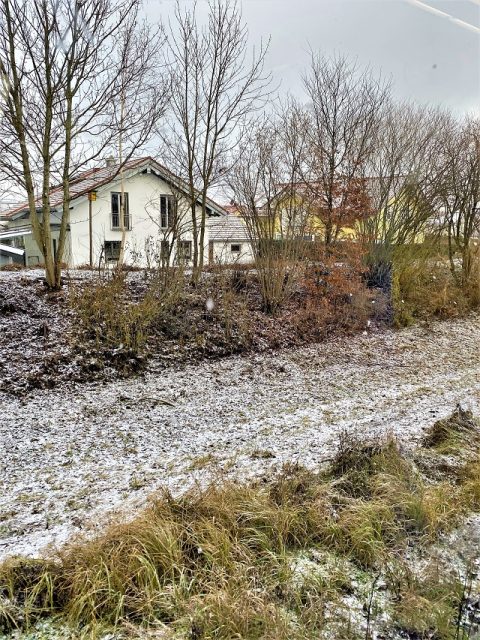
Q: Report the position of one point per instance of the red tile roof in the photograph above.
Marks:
(93, 179)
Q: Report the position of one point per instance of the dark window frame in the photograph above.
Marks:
(168, 211)
(108, 247)
(115, 207)
(165, 250)
(236, 244)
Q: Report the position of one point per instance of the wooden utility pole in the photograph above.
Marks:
(92, 196)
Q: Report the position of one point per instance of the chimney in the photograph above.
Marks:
(110, 161)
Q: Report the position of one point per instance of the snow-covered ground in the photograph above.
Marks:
(68, 458)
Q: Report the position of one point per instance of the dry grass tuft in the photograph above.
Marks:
(427, 605)
(27, 591)
(458, 431)
(357, 462)
(222, 562)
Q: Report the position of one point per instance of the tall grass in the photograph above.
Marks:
(108, 312)
(217, 562)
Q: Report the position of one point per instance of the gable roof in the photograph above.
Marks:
(97, 177)
(228, 227)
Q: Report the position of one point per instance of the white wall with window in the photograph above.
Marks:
(229, 241)
(230, 252)
(168, 207)
(154, 216)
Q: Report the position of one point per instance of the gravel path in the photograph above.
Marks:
(69, 458)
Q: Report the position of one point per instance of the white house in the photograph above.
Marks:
(157, 219)
(229, 241)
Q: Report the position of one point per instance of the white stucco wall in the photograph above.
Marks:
(143, 240)
(144, 192)
(222, 253)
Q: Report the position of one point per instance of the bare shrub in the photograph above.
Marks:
(226, 290)
(277, 275)
(424, 287)
(108, 313)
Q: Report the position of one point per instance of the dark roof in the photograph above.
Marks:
(5, 232)
(93, 179)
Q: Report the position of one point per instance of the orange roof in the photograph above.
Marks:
(231, 208)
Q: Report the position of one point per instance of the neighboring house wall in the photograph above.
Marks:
(229, 241)
(26, 241)
(296, 220)
(231, 252)
(5, 259)
(11, 255)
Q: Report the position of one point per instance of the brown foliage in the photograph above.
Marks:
(347, 202)
(336, 297)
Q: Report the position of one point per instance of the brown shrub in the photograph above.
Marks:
(13, 266)
(336, 297)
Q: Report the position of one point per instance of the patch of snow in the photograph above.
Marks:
(72, 457)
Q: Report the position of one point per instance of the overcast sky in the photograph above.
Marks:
(430, 56)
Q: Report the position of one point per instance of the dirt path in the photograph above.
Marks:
(67, 458)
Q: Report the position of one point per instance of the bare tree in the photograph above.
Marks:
(401, 176)
(265, 187)
(142, 95)
(458, 191)
(343, 116)
(215, 89)
(75, 80)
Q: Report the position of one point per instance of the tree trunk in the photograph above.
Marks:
(195, 242)
(66, 193)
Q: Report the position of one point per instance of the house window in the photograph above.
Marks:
(235, 248)
(184, 250)
(167, 211)
(112, 250)
(116, 206)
